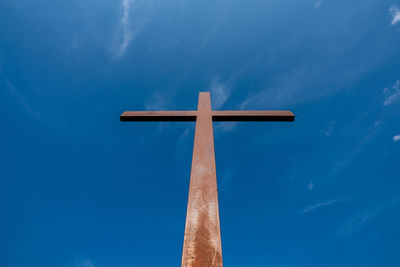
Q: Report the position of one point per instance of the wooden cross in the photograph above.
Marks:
(202, 240)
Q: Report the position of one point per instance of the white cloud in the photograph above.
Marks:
(83, 263)
(126, 31)
(159, 101)
(135, 16)
(330, 127)
(15, 3)
(358, 220)
(23, 102)
(319, 205)
(310, 185)
(396, 138)
(219, 93)
(300, 85)
(318, 3)
(392, 94)
(18, 95)
(395, 12)
(214, 29)
(224, 127)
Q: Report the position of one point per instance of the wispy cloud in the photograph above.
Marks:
(23, 102)
(318, 3)
(134, 17)
(219, 93)
(330, 127)
(355, 151)
(310, 185)
(126, 31)
(184, 140)
(226, 181)
(395, 13)
(392, 94)
(83, 263)
(298, 86)
(357, 221)
(159, 101)
(15, 3)
(396, 138)
(319, 205)
(17, 94)
(212, 32)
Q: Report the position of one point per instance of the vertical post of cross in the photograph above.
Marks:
(202, 241)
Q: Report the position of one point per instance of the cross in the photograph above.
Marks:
(202, 239)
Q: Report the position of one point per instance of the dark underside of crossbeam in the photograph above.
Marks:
(249, 115)
(232, 116)
(158, 116)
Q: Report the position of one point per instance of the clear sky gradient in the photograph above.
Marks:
(78, 188)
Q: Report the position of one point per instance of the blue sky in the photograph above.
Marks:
(81, 189)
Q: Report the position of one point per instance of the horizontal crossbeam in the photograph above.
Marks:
(218, 115)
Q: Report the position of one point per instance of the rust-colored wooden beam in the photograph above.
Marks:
(202, 242)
